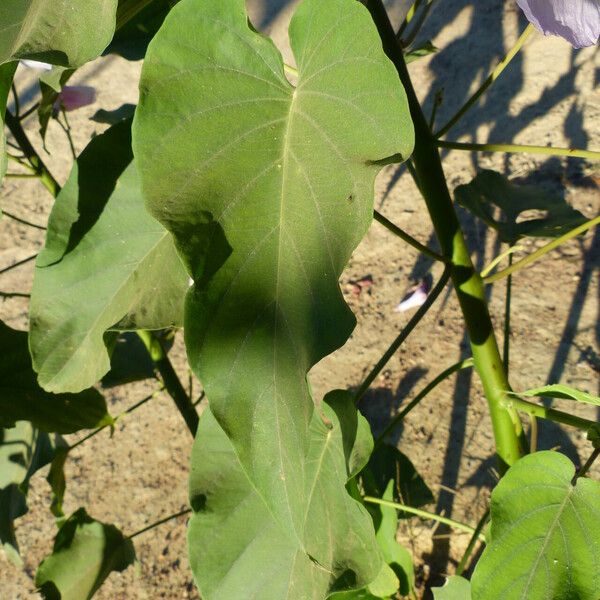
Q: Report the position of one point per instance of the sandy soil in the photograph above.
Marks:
(547, 96)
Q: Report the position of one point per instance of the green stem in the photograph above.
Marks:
(550, 414)
(170, 379)
(18, 264)
(17, 131)
(419, 22)
(509, 148)
(424, 515)
(463, 364)
(422, 310)
(185, 511)
(487, 83)
(589, 462)
(22, 176)
(508, 431)
(66, 127)
(507, 303)
(543, 250)
(22, 221)
(408, 238)
(472, 543)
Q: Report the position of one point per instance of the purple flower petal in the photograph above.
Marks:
(415, 297)
(75, 96)
(578, 21)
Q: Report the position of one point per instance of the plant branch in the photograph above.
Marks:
(487, 83)
(508, 431)
(463, 364)
(589, 462)
(17, 131)
(170, 379)
(22, 221)
(435, 292)
(524, 262)
(18, 264)
(424, 515)
(408, 238)
(510, 148)
(185, 511)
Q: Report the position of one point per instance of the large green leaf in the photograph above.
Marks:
(85, 552)
(22, 399)
(545, 532)
(489, 190)
(455, 588)
(267, 188)
(62, 32)
(238, 545)
(6, 76)
(107, 265)
(557, 390)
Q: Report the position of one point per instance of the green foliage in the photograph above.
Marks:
(6, 76)
(267, 189)
(22, 399)
(85, 552)
(544, 534)
(106, 266)
(558, 390)
(455, 588)
(236, 542)
(66, 32)
(490, 190)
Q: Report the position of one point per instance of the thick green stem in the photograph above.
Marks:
(508, 431)
(17, 131)
(472, 543)
(170, 380)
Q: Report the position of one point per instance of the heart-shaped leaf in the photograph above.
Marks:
(22, 399)
(544, 534)
(237, 543)
(107, 265)
(489, 190)
(267, 188)
(85, 552)
(63, 32)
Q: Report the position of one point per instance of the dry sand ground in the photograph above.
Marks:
(547, 96)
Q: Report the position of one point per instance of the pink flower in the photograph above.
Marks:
(578, 21)
(74, 97)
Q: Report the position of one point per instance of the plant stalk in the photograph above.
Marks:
(508, 430)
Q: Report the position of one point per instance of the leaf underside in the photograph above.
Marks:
(545, 534)
(61, 32)
(107, 265)
(557, 390)
(267, 189)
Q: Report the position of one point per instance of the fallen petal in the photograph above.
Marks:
(578, 21)
(416, 297)
(36, 64)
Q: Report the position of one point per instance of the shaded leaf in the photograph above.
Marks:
(424, 49)
(545, 532)
(56, 479)
(85, 552)
(236, 543)
(22, 399)
(558, 390)
(6, 76)
(455, 588)
(111, 117)
(387, 464)
(107, 266)
(51, 83)
(129, 361)
(132, 39)
(489, 190)
(267, 213)
(66, 33)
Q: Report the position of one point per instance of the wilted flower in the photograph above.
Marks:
(578, 21)
(74, 97)
(415, 297)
